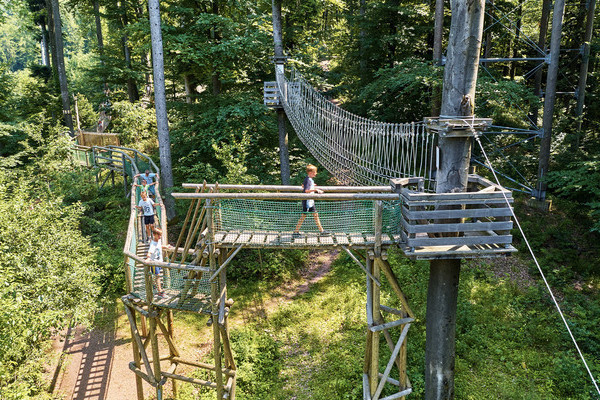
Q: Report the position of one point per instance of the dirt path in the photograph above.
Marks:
(95, 365)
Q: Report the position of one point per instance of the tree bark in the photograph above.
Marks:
(44, 45)
(513, 65)
(60, 65)
(537, 89)
(362, 41)
(549, 100)
(583, 71)
(460, 77)
(216, 76)
(99, 37)
(160, 101)
(52, 43)
(438, 29)
(132, 89)
(284, 157)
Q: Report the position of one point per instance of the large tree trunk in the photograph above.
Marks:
(438, 29)
(160, 101)
(99, 36)
(215, 34)
(583, 71)
(52, 42)
(460, 77)
(284, 157)
(362, 41)
(549, 100)
(60, 65)
(132, 89)
(537, 89)
(44, 45)
(513, 65)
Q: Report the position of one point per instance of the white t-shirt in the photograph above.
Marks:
(155, 250)
(309, 184)
(147, 206)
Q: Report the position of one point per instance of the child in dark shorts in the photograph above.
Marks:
(147, 206)
(308, 206)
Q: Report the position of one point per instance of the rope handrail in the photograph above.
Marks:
(354, 149)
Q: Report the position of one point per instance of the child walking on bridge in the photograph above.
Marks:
(147, 206)
(308, 206)
(155, 254)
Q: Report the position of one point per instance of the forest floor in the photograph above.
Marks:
(94, 365)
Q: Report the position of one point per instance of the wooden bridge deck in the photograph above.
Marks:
(266, 239)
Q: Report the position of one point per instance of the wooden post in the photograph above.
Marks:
(373, 267)
(214, 288)
(171, 332)
(284, 157)
(136, 355)
(460, 76)
(540, 190)
(155, 357)
(585, 59)
(378, 222)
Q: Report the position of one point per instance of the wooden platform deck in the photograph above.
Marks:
(265, 239)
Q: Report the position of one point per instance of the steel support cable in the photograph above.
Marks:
(531, 123)
(527, 188)
(528, 42)
(542, 273)
(532, 71)
(505, 16)
(497, 150)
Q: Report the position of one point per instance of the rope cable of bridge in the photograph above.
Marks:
(541, 272)
(355, 150)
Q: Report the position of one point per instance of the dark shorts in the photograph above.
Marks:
(149, 219)
(152, 191)
(306, 208)
(155, 270)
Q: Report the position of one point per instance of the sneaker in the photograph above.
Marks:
(296, 235)
(325, 233)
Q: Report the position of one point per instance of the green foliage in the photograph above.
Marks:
(47, 274)
(133, 121)
(580, 181)
(225, 136)
(262, 359)
(401, 93)
(266, 265)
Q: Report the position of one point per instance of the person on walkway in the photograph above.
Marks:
(308, 206)
(150, 180)
(147, 206)
(144, 185)
(155, 254)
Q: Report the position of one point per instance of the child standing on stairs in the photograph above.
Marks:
(155, 254)
(147, 206)
(308, 206)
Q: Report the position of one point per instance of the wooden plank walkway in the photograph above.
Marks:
(266, 239)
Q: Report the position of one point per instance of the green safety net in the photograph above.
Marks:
(184, 289)
(347, 216)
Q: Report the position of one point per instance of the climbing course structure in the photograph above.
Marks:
(398, 209)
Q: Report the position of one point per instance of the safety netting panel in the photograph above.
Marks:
(184, 289)
(348, 216)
